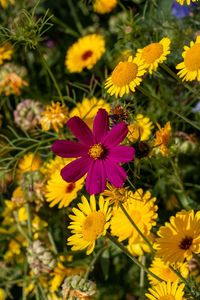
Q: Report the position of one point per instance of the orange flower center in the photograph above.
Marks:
(93, 225)
(152, 52)
(96, 151)
(192, 58)
(87, 54)
(70, 187)
(124, 73)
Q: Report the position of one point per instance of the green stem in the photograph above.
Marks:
(42, 291)
(37, 293)
(175, 76)
(52, 243)
(135, 226)
(185, 201)
(51, 75)
(21, 230)
(146, 93)
(180, 276)
(143, 260)
(12, 282)
(92, 263)
(29, 220)
(76, 18)
(124, 249)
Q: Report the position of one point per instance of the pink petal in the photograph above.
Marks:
(76, 169)
(121, 154)
(101, 125)
(116, 135)
(115, 173)
(81, 131)
(96, 177)
(65, 148)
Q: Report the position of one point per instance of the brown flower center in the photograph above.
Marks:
(87, 54)
(186, 243)
(70, 187)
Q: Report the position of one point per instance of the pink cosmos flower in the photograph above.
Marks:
(98, 152)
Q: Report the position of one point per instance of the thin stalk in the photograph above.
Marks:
(146, 93)
(50, 74)
(92, 263)
(12, 282)
(143, 260)
(124, 249)
(24, 282)
(52, 243)
(42, 291)
(21, 230)
(29, 220)
(135, 226)
(185, 201)
(175, 76)
(76, 18)
(37, 293)
(180, 276)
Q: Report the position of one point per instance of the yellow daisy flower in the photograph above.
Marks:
(154, 54)
(162, 270)
(88, 108)
(104, 6)
(2, 294)
(88, 223)
(59, 191)
(125, 77)
(190, 67)
(140, 129)
(55, 115)
(29, 162)
(5, 52)
(163, 138)
(166, 291)
(137, 246)
(4, 3)
(12, 84)
(85, 53)
(116, 195)
(142, 210)
(179, 238)
(188, 1)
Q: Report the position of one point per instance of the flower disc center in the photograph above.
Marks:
(192, 58)
(152, 52)
(93, 225)
(86, 54)
(124, 73)
(166, 297)
(70, 187)
(186, 243)
(97, 151)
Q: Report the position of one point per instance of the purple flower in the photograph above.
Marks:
(98, 152)
(181, 11)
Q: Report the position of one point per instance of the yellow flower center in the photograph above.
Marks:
(87, 54)
(152, 52)
(192, 58)
(96, 151)
(124, 73)
(93, 226)
(166, 297)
